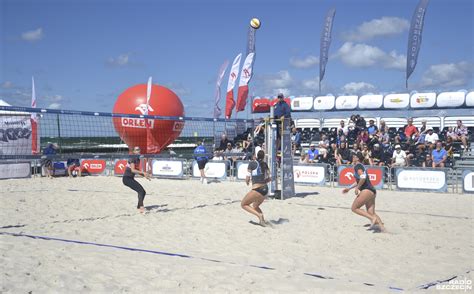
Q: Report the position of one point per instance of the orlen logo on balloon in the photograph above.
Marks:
(139, 123)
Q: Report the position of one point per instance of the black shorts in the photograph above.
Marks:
(263, 190)
(202, 163)
(372, 190)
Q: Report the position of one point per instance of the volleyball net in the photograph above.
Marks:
(31, 132)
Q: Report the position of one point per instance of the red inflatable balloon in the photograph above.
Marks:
(150, 135)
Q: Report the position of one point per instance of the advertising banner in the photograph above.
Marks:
(287, 180)
(396, 101)
(346, 102)
(424, 179)
(302, 103)
(15, 170)
(15, 135)
(468, 181)
(345, 175)
(450, 99)
(423, 100)
(119, 166)
(167, 168)
(370, 101)
(242, 167)
(324, 102)
(214, 169)
(93, 166)
(470, 99)
(310, 174)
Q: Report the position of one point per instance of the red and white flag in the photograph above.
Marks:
(151, 145)
(34, 121)
(245, 76)
(229, 102)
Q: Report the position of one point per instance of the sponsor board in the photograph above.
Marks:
(370, 101)
(93, 166)
(396, 101)
(213, 169)
(15, 135)
(468, 181)
(242, 167)
(450, 99)
(470, 99)
(422, 100)
(167, 168)
(347, 102)
(310, 174)
(15, 170)
(119, 166)
(302, 103)
(324, 102)
(421, 179)
(346, 176)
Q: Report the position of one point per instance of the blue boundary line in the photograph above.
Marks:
(314, 275)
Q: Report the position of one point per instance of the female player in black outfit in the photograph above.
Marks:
(259, 172)
(365, 193)
(129, 178)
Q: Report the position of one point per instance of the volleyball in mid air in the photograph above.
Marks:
(255, 23)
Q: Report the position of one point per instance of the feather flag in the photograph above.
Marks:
(217, 98)
(230, 103)
(414, 37)
(325, 43)
(151, 145)
(245, 76)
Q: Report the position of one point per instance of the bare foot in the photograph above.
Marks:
(261, 220)
(141, 210)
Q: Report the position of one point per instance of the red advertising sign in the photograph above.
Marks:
(119, 168)
(346, 176)
(93, 166)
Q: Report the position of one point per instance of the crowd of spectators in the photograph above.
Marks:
(384, 146)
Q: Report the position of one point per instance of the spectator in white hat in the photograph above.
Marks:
(399, 157)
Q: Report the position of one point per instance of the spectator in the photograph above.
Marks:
(428, 162)
(303, 158)
(372, 128)
(223, 143)
(248, 144)
(383, 126)
(46, 160)
(460, 134)
(355, 148)
(360, 123)
(367, 155)
(282, 110)
(399, 157)
(431, 138)
(450, 132)
(363, 137)
(323, 145)
(439, 155)
(73, 165)
(237, 149)
(410, 130)
(343, 155)
(384, 138)
(227, 153)
(448, 146)
(312, 154)
(295, 140)
(342, 130)
(378, 155)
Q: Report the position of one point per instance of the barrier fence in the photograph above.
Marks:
(318, 174)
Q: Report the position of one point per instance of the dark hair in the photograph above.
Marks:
(280, 95)
(360, 156)
(260, 155)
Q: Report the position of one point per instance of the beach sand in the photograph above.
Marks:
(430, 237)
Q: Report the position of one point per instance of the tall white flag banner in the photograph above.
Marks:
(230, 103)
(245, 76)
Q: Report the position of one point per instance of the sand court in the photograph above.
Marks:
(85, 235)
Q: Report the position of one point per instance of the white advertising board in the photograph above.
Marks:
(302, 103)
(370, 101)
(396, 101)
(421, 179)
(213, 169)
(309, 174)
(15, 170)
(324, 102)
(347, 102)
(470, 99)
(450, 99)
(167, 168)
(423, 100)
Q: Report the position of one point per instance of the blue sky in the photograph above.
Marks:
(83, 54)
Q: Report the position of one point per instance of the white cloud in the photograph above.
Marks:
(7, 85)
(282, 79)
(385, 26)
(54, 106)
(447, 75)
(32, 36)
(121, 60)
(306, 62)
(363, 55)
(179, 89)
(358, 88)
(311, 84)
